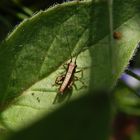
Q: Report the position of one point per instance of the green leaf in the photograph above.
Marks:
(85, 118)
(32, 56)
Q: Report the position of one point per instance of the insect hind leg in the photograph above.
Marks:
(80, 80)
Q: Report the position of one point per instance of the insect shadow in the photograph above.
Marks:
(59, 98)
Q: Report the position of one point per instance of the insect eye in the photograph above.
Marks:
(117, 35)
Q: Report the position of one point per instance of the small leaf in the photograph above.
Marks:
(127, 100)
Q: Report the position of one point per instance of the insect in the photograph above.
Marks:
(67, 80)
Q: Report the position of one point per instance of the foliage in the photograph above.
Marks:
(32, 57)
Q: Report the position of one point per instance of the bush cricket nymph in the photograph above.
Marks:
(67, 80)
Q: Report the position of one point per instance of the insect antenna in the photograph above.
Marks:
(81, 50)
(76, 25)
(66, 36)
(76, 31)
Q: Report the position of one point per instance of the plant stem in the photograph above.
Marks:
(131, 73)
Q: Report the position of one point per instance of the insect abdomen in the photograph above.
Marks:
(69, 74)
(65, 82)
